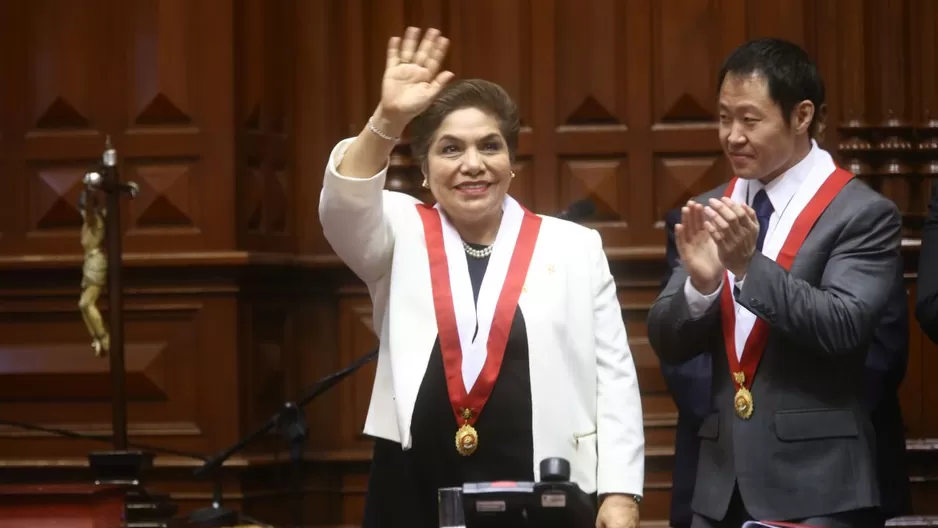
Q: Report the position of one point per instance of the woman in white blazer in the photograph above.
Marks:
(502, 340)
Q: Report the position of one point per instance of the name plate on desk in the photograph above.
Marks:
(491, 497)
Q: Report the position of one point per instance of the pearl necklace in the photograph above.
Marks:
(477, 253)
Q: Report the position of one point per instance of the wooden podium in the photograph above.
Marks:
(61, 506)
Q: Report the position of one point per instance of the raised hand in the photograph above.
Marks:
(413, 75)
(412, 78)
(735, 228)
(698, 250)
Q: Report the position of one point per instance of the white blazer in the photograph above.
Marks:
(585, 396)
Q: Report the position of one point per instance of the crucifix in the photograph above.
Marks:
(100, 206)
(102, 224)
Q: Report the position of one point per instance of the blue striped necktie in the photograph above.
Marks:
(763, 207)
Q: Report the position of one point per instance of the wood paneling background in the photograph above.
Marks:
(224, 112)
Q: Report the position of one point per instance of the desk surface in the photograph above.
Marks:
(57, 489)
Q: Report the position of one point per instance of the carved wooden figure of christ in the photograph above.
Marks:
(94, 270)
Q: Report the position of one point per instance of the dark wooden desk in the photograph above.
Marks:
(61, 506)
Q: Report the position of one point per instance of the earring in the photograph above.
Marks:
(426, 184)
(512, 174)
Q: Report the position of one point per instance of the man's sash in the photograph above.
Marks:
(744, 369)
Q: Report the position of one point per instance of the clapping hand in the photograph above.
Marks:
(698, 251)
(412, 76)
(735, 229)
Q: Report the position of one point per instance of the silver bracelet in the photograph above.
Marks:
(379, 133)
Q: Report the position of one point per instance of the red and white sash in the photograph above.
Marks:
(472, 365)
(744, 334)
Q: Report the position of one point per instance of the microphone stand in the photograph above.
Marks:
(217, 516)
(291, 421)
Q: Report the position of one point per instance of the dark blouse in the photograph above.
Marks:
(403, 485)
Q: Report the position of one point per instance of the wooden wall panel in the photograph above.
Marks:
(224, 114)
(617, 105)
(153, 76)
(264, 119)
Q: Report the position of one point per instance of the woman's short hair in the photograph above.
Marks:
(480, 94)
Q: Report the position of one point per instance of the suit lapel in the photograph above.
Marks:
(543, 276)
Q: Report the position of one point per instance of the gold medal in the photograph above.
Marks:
(743, 403)
(467, 440)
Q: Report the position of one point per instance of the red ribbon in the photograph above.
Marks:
(755, 344)
(504, 315)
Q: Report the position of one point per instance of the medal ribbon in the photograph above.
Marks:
(755, 343)
(504, 314)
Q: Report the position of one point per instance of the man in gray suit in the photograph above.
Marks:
(784, 273)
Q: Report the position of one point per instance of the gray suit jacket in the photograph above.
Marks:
(808, 449)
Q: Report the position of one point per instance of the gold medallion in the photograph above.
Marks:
(743, 403)
(467, 440)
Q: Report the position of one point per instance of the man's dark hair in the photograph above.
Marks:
(791, 75)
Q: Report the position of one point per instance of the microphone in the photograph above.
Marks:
(291, 423)
(578, 211)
